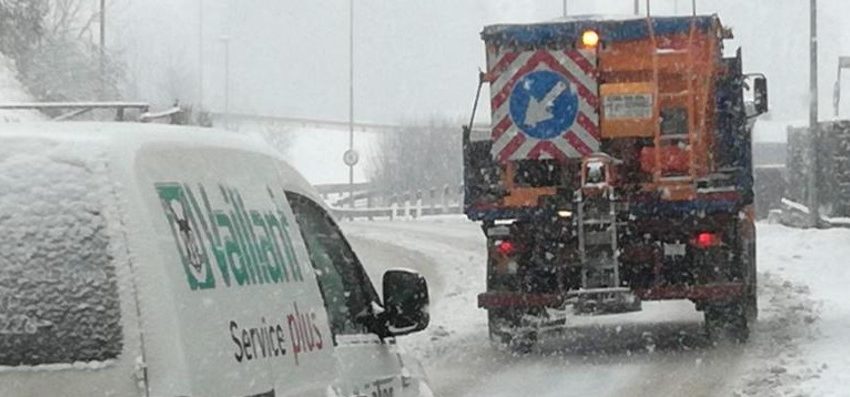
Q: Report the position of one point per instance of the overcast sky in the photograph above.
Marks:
(413, 59)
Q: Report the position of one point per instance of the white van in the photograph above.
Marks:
(152, 260)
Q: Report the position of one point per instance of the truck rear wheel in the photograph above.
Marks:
(497, 321)
(728, 321)
(500, 322)
(752, 307)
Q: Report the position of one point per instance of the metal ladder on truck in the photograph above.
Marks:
(596, 218)
(677, 183)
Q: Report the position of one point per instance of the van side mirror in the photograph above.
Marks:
(760, 95)
(756, 82)
(405, 301)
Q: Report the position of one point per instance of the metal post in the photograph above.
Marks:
(814, 201)
(565, 8)
(226, 41)
(102, 27)
(836, 95)
(200, 55)
(351, 97)
(843, 63)
(637, 7)
(102, 59)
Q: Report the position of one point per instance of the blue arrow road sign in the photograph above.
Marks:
(543, 104)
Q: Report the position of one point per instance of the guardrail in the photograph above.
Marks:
(74, 109)
(371, 203)
(300, 122)
(407, 211)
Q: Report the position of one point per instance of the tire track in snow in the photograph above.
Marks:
(788, 317)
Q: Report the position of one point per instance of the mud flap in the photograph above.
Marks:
(727, 322)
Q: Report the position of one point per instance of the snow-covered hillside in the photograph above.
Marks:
(799, 346)
(317, 152)
(11, 91)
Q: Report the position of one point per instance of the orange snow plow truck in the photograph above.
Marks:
(617, 169)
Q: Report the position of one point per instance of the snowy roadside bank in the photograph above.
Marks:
(813, 353)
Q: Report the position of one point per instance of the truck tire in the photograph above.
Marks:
(752, 305)
(523, 344)
(748, 262)
(727, 321)
(497, 320)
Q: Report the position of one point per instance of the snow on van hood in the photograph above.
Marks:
(59, 301)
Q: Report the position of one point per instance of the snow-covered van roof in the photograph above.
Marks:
(131, 137)
(127, 134)
(610, 29)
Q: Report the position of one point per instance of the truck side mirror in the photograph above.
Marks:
(760, 95)
(405, 301)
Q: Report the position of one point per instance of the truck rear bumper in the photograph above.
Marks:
(704, 293)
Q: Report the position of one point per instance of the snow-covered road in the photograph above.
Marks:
(795, 349)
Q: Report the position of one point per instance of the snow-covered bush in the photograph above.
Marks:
(21, 25)
(53, 45)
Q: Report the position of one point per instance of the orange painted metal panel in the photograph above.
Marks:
(626, 127)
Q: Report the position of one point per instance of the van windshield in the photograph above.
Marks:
(58, 293)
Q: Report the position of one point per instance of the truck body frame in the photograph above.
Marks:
(642, 184)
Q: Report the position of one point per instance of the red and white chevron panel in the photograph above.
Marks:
(579, 68)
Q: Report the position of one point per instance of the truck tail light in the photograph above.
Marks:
(506, 248)
(705, 240)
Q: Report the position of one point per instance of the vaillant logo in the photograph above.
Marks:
(230, 245)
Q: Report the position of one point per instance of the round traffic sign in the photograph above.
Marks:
(543, 104)
(351, 157)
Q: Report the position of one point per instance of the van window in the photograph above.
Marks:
(58, 294)
(345, 287)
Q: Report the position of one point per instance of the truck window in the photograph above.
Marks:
(674, 121)
(59, 299)
(345, 287)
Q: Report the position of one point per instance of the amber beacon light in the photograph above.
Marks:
(590, 39)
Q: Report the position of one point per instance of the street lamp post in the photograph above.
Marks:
(200, 55)
(226, 41)
(814, 201)
(102, 17)
(102, 54)
(351, 100)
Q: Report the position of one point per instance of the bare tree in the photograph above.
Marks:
(422, 156)
(53, 44)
